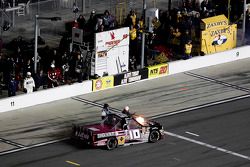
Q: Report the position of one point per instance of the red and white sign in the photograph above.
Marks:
(112, 52)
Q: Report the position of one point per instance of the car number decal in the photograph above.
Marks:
(134, 134)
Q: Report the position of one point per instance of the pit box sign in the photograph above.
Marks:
(129, 77)
(158, 70)
(103, 83)
(217, 35)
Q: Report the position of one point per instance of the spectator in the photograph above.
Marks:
(132, 63)
(196, 26)
(54, 76)
(40, 80)
(12, 86)
(99, 25)
(141, 25)
(29, 83)
(65, 68)
(27, 68)
(176, 40)
(188, 50)
(81, 21)
(185, 37)
(18, 59)
(11, 65)
(131, 19)
(179, 18)
(79, 68)
(92, 20)
(205, 6)
(75, 24)
(133, 42)
(66, 73)
(107, 20)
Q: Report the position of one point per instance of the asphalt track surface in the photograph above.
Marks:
(223, 126)
(213, 133)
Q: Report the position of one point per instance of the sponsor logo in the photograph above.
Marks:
(125, 36)
(219, 23)
(133, 79)
(154, 71)
(158, 70)
(163, 70)
(112, 35)
(220, 31)
(103, 135)
(219, 40)
(98, 84)
(108, 82)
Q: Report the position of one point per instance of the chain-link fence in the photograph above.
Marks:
(24, 24)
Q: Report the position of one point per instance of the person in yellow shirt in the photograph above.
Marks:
(133, 33)
(133, 17)
(133, 43)
(188, 50)
(141, 24)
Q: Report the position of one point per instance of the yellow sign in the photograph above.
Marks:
(103, 83)
(121, 140)
(218, 35)
(158, 70)
(214, 22)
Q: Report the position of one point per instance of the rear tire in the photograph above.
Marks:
(111, 143)
(154, 136)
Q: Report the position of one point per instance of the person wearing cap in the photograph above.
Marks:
(105, 110)
(29, 83)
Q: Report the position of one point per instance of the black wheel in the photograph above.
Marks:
(111, 143)
(154, 136)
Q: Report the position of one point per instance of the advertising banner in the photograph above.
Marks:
(112, 52)
(218, 35)
(214, 22)
(121, 79)
(158, 70)
(219, 39)
(103, 83)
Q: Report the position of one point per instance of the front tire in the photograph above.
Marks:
(154, 136)
(111, 143)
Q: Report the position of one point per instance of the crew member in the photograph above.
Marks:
(54, 76)
(105, 110)
(126, 111)
(188, 50)
(29, 83)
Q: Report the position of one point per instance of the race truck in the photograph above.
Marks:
(118, 129)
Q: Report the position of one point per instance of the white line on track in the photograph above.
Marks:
(11, 143)
(32, 146)
(201, 106)
(193, 134)
(207, 145)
